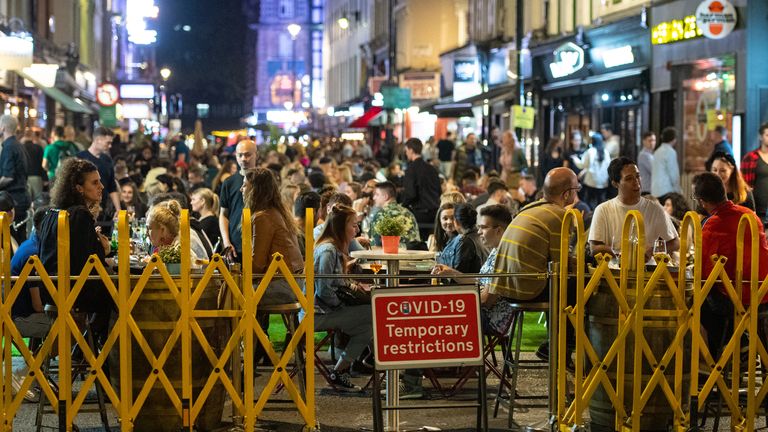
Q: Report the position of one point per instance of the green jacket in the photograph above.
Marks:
(55, 152)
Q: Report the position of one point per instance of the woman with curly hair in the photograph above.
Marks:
(274, 231)
(78, 190)
(676, 207)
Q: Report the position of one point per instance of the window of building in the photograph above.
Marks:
(286, 8)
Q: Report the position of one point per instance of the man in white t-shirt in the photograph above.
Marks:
(608, 219)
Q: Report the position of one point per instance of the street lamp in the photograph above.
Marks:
(293, 30)
(165, 73)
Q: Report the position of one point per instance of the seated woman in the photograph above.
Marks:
(206, 204)
(465, 252)
(78, 190)
(445, 228)
(163, 220)
(130, 200)
(274, 231)
(331, 311)
(494, 219)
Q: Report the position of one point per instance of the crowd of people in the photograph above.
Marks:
(478, 212)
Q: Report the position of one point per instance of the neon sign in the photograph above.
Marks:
(676, 31)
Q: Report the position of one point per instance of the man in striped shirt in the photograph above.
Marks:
(533, 239)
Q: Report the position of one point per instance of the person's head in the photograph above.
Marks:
(102, 140)
(340, 227)
(196, 175)
(38, 216)
(468, 178)
(57, 133)
(306, 200)
(625, 176)
(674, 204)
(296, 176)
(555, 144)
(453, 197)
(128, 192)
(384, 193)
(763, 132)
(69, 133)
(465, 217)
(8, 125)
(508, 139)
(528, 184)
(204, 199)
(649, 140)
(497, 190)
(262, 192)
(493, 221)
(721, 133)
(338, 198)
(576, 139)
(606, 129)
(708, 191)
(470, 140)
(289, 192)
(245, 152)
(669, 136)
(317, 179)
(7, 204)
(413, 148)
(724, 165)
(352, 189)
(146, 153)
(77, 183)
(447, 223)
(163, 222)
(561, 186)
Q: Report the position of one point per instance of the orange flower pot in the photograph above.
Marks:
(390, 244)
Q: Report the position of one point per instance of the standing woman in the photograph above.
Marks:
(77, 189)
(274, 231)
(754, 167)
(206, 204)
(736, 188)
(331, 310)
(594, 172)
(553, 156)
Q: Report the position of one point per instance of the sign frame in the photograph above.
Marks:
(716, 18)
(107, 90)
(424, 293)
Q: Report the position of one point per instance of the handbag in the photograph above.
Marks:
(350, 297)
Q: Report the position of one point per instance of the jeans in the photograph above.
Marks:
(354, 321)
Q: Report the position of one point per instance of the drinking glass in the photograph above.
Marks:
(659, 247)
(376, 268)
(616, 249)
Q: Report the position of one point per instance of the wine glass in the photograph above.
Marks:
(659, 248)
(376, 268)
(616, 248)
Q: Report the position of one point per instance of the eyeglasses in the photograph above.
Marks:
(577, 188)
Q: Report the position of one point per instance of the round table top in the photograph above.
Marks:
(378, 254)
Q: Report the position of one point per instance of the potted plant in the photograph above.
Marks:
(391, 228)
(171, 256)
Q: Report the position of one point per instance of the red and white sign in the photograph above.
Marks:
(427, 327)
(716, 18)
(107, 94)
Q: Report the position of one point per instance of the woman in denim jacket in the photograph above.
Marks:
(330, 310)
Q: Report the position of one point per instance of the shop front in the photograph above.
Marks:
(596, 77)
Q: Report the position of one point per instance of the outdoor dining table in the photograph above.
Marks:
(392, 420)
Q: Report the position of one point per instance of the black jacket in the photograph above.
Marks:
(421, 187)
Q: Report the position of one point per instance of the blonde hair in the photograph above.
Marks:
(167, 215)
(289, 192)
(210, 199)
(454, 197)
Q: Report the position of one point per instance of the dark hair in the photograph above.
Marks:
(495, 185)
(316, 179)
(465, 215)
(738, 187)
(669, 134)
(441, 238)
(261, 192)
(721, 129)
(762, 128)
(646, 134)
(498, 212)
(59, 131)
(340, 198)
(708, 187)
(616, 166)
(170, 196)
(469, 175)
(70, 173)
(679, 204)
(38, 216)
(607, 126)
(325, 160)
(599, 145)
(388, 187)
(553, 144)
(103, 132)
(415, 145)
(7, 202)
(305, 200)
(335, 227)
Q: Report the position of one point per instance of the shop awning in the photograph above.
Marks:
(493, 95)
(364, 120)
(603, 82)
(59, 96)
(453, 109)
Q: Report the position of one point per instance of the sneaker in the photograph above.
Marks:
(360, 368)
(407, 391)
(16, 381)
(341, 381)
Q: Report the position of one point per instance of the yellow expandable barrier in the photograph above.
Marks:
(672, 368)
(126, 334)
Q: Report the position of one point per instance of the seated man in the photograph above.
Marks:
(608, 218)
(384, 197)
(719, 238)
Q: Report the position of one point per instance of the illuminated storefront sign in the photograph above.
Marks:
(716, 18)
(137, 12)
(676, 31)
(569, 59)
(15, 51)
(620, 56)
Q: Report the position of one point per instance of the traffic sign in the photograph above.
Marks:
(107, 94)
(426, 327)
(396, 97)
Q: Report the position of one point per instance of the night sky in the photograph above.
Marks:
(208, 61)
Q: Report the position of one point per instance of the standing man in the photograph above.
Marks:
(58, 150)
(445, 153)
(98, 153)
(612, 143)
(231, 202)
(13, 173)
(467, 156)
(721, 140)
(421, 184)
(665, 176)
(512, 160)
(645, 161)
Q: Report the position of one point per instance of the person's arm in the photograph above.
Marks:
(444, 270)
(37, 301)
(115, 197)
(325, 289)
(263, 233)
(599, 247)
(410, 192)
(226, 243)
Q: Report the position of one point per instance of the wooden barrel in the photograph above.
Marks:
(602, 329)
(156, 313)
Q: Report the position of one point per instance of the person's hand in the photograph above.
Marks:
(351, 264)
(442, 269)
(105, 243)
(360, 205)
(364, 242)
(229, 253)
